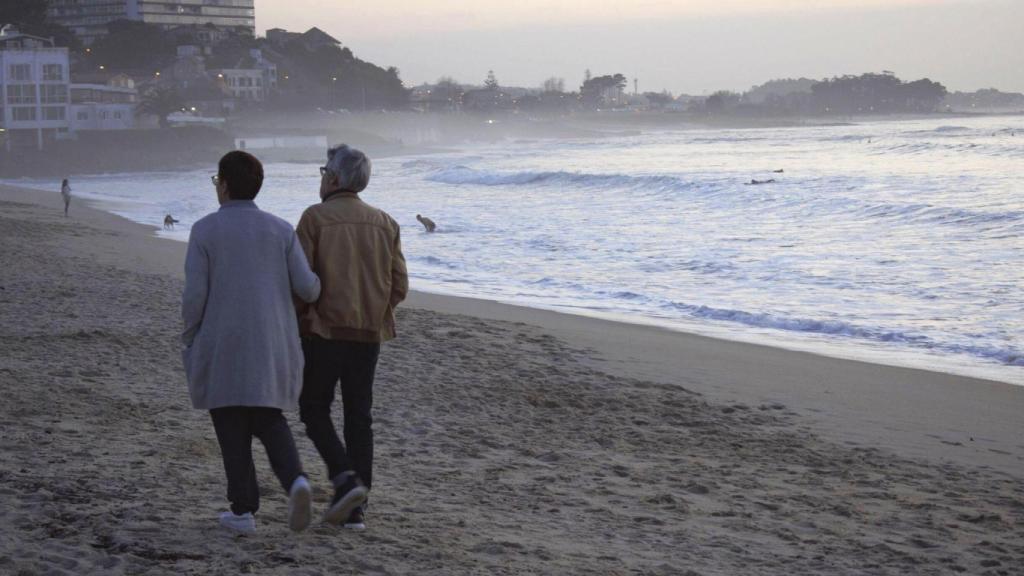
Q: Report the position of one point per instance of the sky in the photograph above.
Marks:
(684, 46)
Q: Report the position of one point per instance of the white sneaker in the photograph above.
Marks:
(242, 524)
(300, 499)
(357, 519)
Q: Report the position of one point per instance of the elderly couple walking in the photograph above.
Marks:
(275, 317)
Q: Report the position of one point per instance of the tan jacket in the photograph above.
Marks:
(355, 250)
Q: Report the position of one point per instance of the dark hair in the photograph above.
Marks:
(242, 173)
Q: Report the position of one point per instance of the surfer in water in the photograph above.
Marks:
(427, 223)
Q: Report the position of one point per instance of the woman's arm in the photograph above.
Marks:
(305, 283)
(197, 283)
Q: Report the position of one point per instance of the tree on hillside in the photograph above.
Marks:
(659, 99)
(161, 101)
(131, 45)
(721, 101)
(450, 90)
(778, 88)
(553, 85)
(923, 95)
(600, 90)
(30, 17)
(876, 93)
(332, 76)
(23, 12)
(491, 83)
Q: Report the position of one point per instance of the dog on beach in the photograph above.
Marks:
(169, 222)
(427, 223)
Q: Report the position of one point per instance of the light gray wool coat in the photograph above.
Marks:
(241, 334)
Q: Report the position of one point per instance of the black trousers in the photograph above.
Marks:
(353, 364)
(236, 426)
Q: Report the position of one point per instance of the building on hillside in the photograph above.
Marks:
(88, 19)
(34, 80)
(207, 36)
(244, 84)
(207, 98)
(108, 106)
(188, 67)
(251, 79)
(312, 39)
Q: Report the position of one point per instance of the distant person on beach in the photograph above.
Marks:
(356, 251)
(427, 223)
(65, 193)
(242, 354)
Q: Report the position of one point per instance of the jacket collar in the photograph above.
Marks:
(341, 194)
(239, 204)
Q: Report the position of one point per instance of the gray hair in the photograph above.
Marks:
(351, 166)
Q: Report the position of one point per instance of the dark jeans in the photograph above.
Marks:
(236, 426)
(354, 365)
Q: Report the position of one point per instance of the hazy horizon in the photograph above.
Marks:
(692, 47)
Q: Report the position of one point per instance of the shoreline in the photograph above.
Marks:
(508, 440)
(920, 412)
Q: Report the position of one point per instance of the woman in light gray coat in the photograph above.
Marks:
(242, 354)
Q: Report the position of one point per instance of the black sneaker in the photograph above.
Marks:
(356, 520)
(347, 497)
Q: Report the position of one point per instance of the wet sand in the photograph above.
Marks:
(509, 441)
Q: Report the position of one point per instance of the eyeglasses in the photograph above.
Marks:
(323, 170)
(215, 179)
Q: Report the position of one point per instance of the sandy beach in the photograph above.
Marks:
(509, 441)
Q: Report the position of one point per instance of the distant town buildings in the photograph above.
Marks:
(88, 19)
(34, 85)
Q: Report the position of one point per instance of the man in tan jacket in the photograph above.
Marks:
(355, 250)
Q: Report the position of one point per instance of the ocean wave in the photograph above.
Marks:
(931, 214)
(939, 130)
(922, 148)
(428, 163)
(464, 175)
(1007, 356)
(438, 262)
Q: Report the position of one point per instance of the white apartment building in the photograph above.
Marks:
(102, 107)
(245, 84)
(34, 82)
(88, 19)
(252, 79)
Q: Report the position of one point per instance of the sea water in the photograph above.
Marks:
(896, 242)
